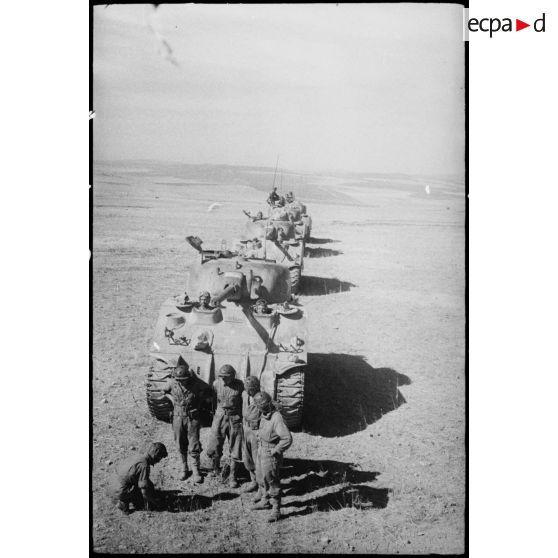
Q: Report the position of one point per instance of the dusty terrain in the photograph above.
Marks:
(380, 464)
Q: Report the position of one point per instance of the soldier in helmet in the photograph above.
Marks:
(130, 481)
(290, 197)
(187, 394)
(274, 439)
(227, 422)
(203, 301)
(251, 422)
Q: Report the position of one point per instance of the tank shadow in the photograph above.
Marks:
(315, 286)
(361, 497)
(176, 502)
(321, 252)
(317, 474)
(313, 240)
(344, 394)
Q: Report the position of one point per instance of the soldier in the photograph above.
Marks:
(273, 196)
(261, 307)
(251, 420)
(274, 439)
(227, 422)
(258, 217)
(187, 394)
(130, 481)
(203, 300)
(290, 197)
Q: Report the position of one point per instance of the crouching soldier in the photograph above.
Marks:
(130, 482)
(251, 422)
(187, 394)
(227, 422)
(274, 439)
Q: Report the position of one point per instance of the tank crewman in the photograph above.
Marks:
(261, 307)
(203, 301)
(257, 217)
(274, 439)
(227, 422)
(187, 394)
(130, 481)
(289, 197)
(273, 196)
(251, 423)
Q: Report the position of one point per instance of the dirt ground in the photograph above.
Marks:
(380, 464)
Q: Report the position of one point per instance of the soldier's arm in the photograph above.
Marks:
(285, 437)
(147, 488)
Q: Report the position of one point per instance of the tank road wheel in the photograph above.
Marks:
(161, 410)
(290, 396)
(295, 279)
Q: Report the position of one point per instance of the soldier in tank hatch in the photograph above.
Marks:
(273, 196)
(227, 422)
(274, 438)
(251, 423)
(204, 301)
(130, 483)
(187, 394)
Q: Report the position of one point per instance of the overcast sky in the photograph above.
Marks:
(375, 88)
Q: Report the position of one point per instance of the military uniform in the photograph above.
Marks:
(227, 422)
(273, 197)
(128, 479)
(274, 438)
(251, 421)
(187, 399)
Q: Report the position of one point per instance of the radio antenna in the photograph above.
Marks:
(275, 173)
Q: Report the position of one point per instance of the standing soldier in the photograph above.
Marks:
(251, 419)
(187, 394)
(130, 482)
(274, 439)
(227, 422)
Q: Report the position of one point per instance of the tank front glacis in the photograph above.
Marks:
(271, 346)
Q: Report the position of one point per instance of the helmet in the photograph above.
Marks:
(262, 400)
(182, 372)
(226, 371)
(252, 382)
(157, 450)
(204, 294)
(259, 215)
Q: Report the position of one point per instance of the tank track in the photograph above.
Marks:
(161, 410)
(290, 396)
(295, 280)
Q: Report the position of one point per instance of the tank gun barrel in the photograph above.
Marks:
(229, 290)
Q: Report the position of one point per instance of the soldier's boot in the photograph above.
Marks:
(263, 504)
(252, 485)
(275, 510)
(233, 483)
(196, 475)
(216, 471)
(258, 496)
(184, 472)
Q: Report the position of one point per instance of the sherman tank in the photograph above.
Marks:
(297, 213)
(276, 240)
(270, 345)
